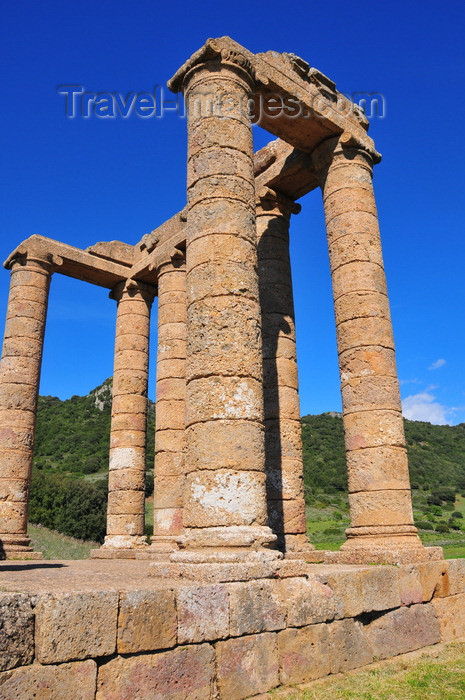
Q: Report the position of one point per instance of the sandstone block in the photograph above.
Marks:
(126, 480)
(304, 654)
(351, 222)
(171, 332)
(363, 590)
(72, 680)
(452, 580)
(247, 665)
(281, 437)
(127, 524)
(363, 247)
(13, 490)
(172, 388)
(348, 200)
(169, 492)
(75, 625)
(219, 217)
(219, 247)
(209, 280)
(284, 478)
(167, 521)
(359, 332)
(450, 616)
(129, 422)
(146, 621)
(349, 646)
(225, 497)
(171, 415)
(16, 631)
(307, 601)
(167, 369)
(282, 345)
(169, 441)
(380, 508)
(130, 381)
(229, 444)
(126, 502)
(203, 613)
(172, 313)
(361, 304)
(127, 438)
(13, 465)
(128, 404)
(403, 630)
(369, 393)
(213, 398)
(377, 468)
(227, 161)
(367, 361)
(256, 606)
(287, 516)
(169, 464)
(283, 368)
(282, 403)
(374, 429)
(127, 458)
(276, 299)
(232, 132)
(185, 673)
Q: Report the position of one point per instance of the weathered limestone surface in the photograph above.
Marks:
(146, 621)
(73, 680)
(284, 468)
(16, 631)
(379, 488)
(403, 630)
(19, 385)
(247, 665)
(170, 425)
(126, 495)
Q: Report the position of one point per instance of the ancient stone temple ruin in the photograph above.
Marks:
(229, 503)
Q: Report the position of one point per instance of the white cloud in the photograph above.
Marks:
(439, 363)
(423, 406)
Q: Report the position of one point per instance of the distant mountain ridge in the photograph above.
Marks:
(73, 436)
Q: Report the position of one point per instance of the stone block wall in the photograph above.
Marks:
(228, 641)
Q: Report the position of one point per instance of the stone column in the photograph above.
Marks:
(19, 386)
(225, 496)
(171, 407)
(126, 494)
(283, 433)
(382, 526)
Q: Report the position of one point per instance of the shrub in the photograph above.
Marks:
(456, 514)
(424, 525)
(434, 500)
(441, 527)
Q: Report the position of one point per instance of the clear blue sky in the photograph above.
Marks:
(81, 181)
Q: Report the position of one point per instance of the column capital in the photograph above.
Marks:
(131, 288)
(174, 261)
(272, 202)
(223, 52)
(345, 147)
(31, 255)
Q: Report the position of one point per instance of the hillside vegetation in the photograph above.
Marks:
(70, 474)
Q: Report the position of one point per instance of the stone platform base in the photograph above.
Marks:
(20, 555)
(68, 627)
(382, 555)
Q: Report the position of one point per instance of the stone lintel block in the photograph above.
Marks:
(381, 508)
(184, 672)
(146, 621)
(228, 444)
(256, 606)
(73, 626)
(374, 429)
(173, 388)
(127, 458)
(287, 516)
(349, 645)
(71, 680)
(127, 438)
(350, 222)
(402, 630)
(126, 502)
(127, 403)
(169, 441)
(169, 492)
(171, 369)
(303, 654)
(450, 616)
(225, 497)
(238, 279)
(16, 631)
(282, 401)
(126, 480)
(126, 524)
(203, 613)
(129, 422)
(284, 478)
(308, 601)
(376, 468)
(452, 580)
(169, 464)
(363, 589)
(247, 665)
(362, 332)
(370, 393)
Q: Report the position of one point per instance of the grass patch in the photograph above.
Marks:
(423, 678)
(54, 545)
